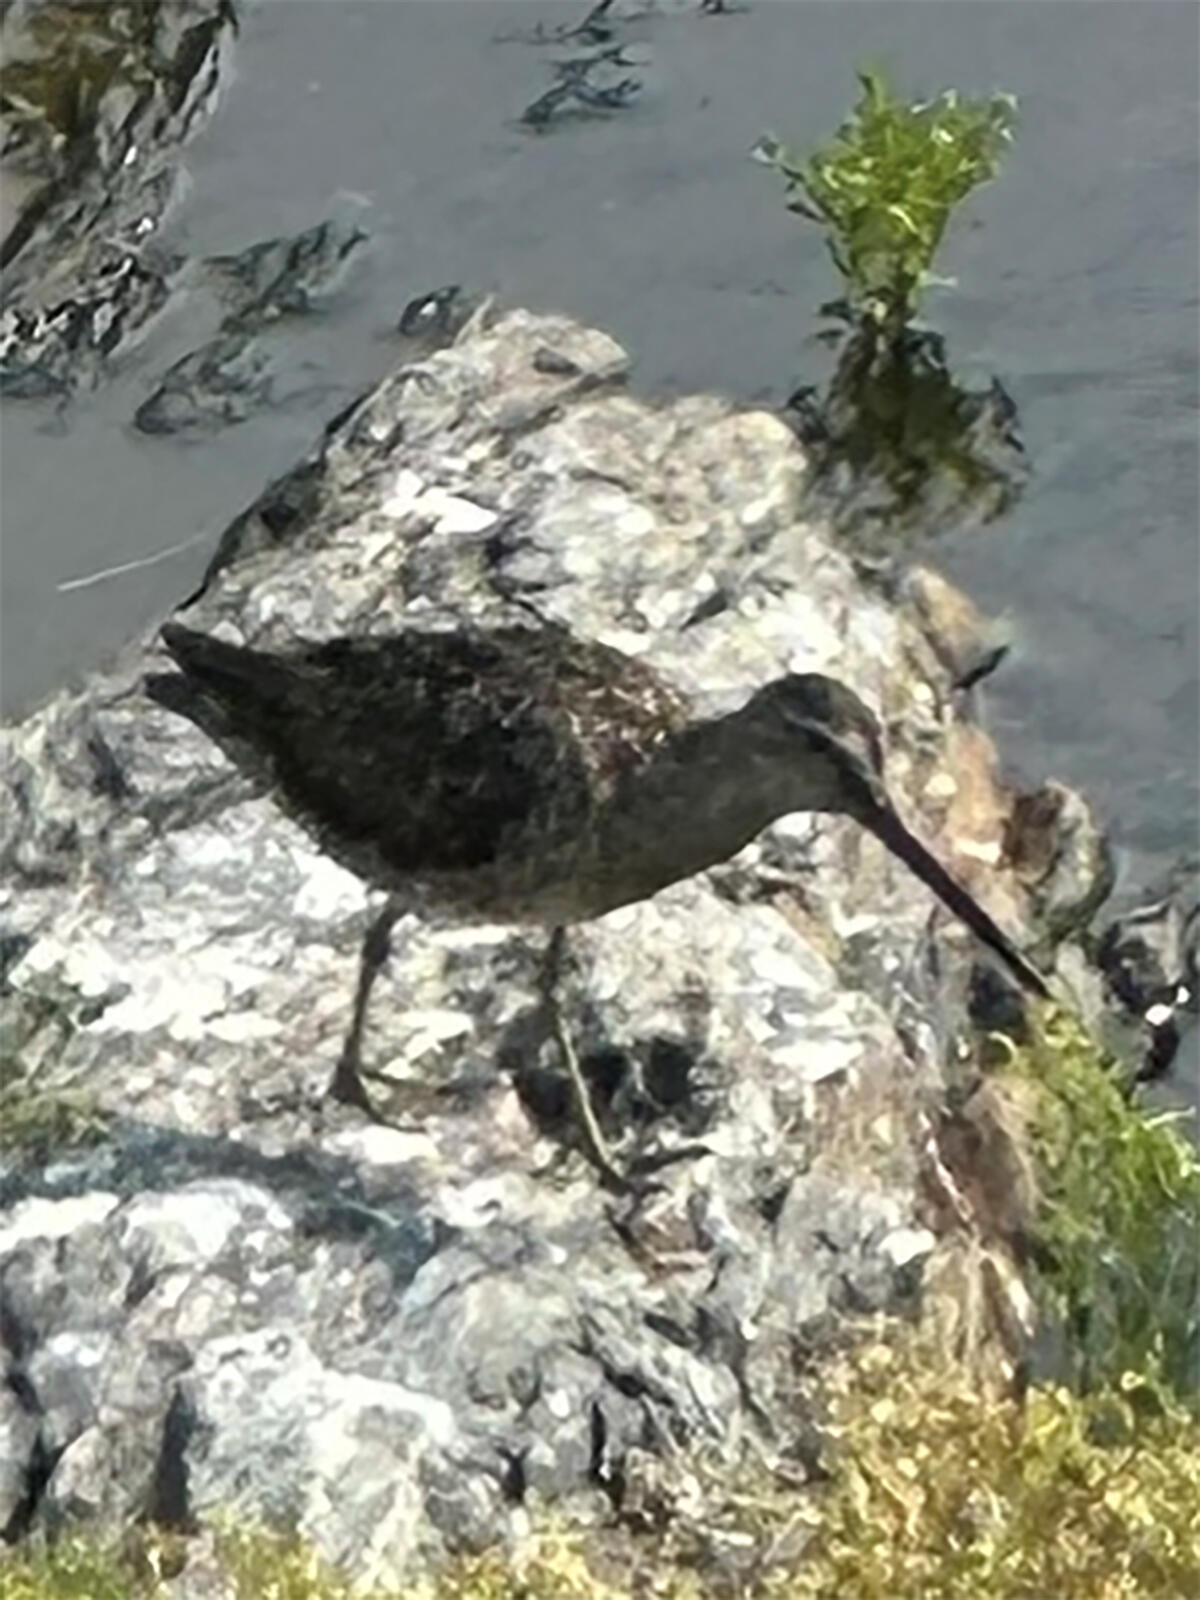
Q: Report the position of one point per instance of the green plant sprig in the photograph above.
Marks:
(886, 185)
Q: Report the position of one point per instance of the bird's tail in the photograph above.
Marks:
(233, 673)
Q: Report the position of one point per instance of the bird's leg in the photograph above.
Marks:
(346, 1084)
(594, 1142)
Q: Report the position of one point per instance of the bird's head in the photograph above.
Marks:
(822, 733)
(825, 754)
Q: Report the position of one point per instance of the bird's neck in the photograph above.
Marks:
(718, 769)
(738, 770)
(705, 794)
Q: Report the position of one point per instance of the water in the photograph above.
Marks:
(1078, 286)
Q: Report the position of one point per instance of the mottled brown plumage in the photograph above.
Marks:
(468, 768)
(522, 774)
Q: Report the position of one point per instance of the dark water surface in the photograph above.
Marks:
(1078, 273)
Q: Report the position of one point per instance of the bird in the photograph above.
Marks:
(522, 774)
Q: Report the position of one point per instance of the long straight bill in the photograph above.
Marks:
(887, 826)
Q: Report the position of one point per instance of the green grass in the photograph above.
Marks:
(1119, 1223)
(36, 1122)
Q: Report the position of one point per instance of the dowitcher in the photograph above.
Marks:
(524, 775)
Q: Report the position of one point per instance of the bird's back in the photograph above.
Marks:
(439, 753)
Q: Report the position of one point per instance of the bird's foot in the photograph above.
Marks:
(655, 1160)
(634, 1181)
(346, 1087)
(595, 1145)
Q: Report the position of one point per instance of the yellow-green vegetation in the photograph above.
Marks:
(73, 1569)
(34, 1126)
(1119, 1221)
(944, 1493)
(36, 1121)
(886, 184)
(256, 1565)
(553, 1568)
(265, 1565)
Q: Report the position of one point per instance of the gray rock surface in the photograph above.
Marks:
(1149, 953)
(223, 1291)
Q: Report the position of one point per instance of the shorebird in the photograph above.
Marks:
(524, 775)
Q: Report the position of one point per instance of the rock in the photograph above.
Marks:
(985, 1142)
(236, 1294)
(1061, 854)
(1149, 955)
(967, 644)
(19, 1453)
(220, 383)
(285, 276)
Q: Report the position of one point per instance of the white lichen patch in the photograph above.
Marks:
(182, 996)
(327, 891)
(904, 1245)
(817, 1058)
(90, 968)
(979, 850)
(54, 1219)
(407, 489)
(72, 1348)
(448, 513)
(379, 1146)
(243, 1027)
(454, 514)
(942, 786)
(195, 1223)
(423, 1031)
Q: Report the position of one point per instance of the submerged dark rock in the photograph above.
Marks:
(98, 105)
(235, 373)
